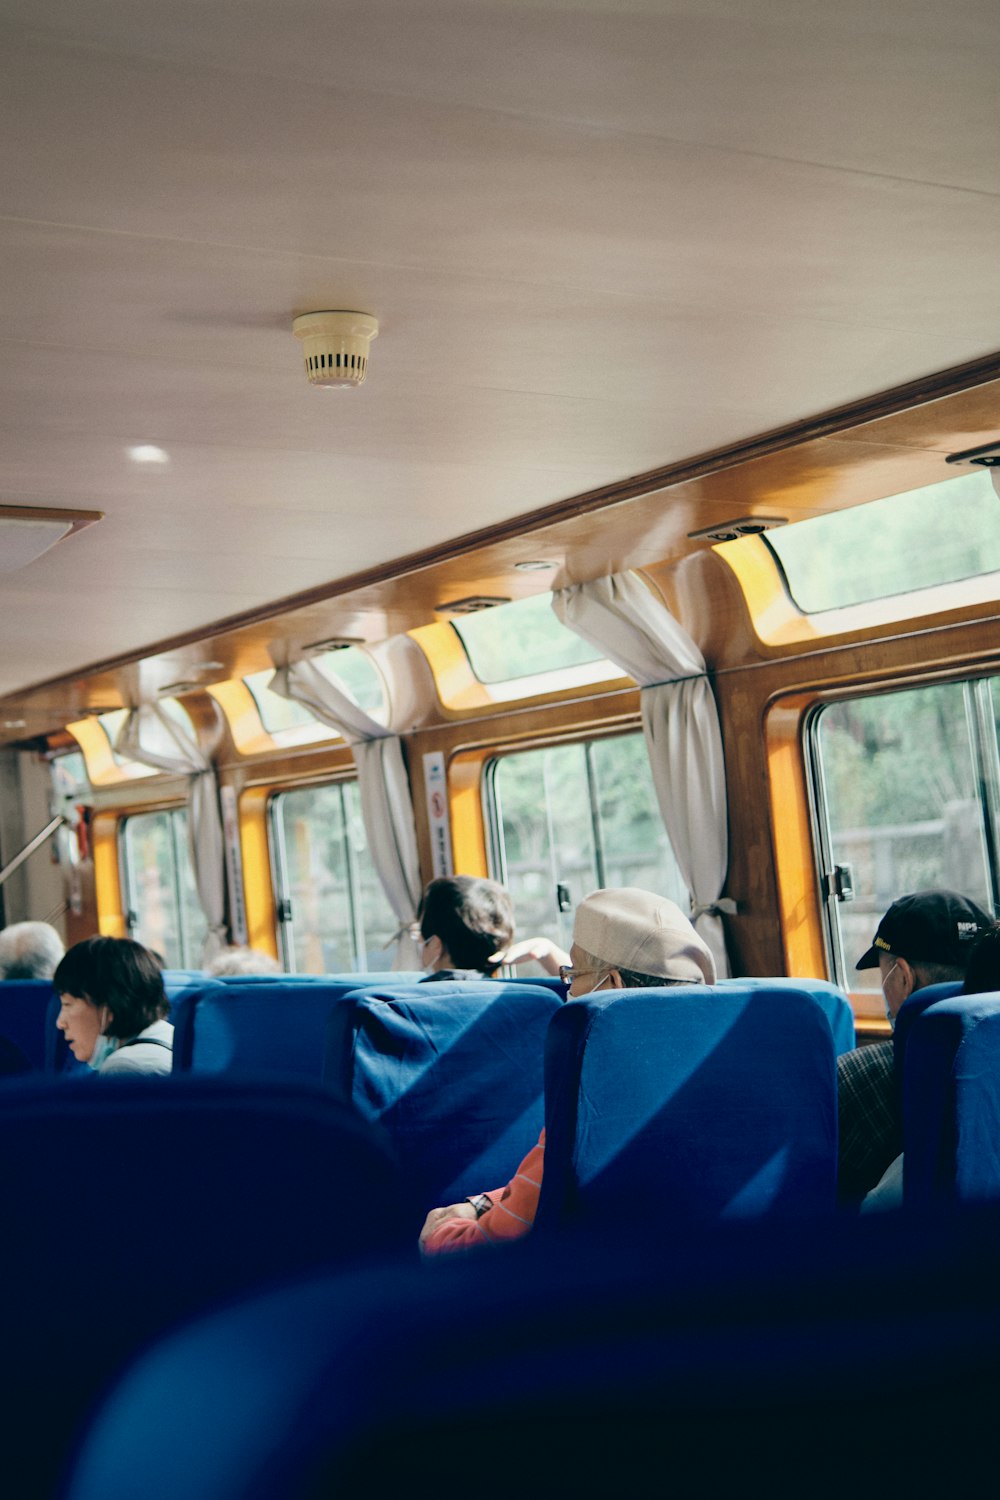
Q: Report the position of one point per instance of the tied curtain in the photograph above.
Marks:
(386, 803)
(634, 629)
(150, 736)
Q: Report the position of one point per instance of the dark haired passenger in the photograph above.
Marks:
(462, 923)
(113, 1007)
(924, 938)
(982, 977)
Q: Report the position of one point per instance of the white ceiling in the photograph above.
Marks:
(599, 238)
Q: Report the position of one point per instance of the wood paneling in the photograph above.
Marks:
(892, 442)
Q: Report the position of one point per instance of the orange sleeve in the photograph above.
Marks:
(511, 1216)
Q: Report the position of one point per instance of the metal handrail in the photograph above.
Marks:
(31, 846)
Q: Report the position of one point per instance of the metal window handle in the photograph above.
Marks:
(838, 883)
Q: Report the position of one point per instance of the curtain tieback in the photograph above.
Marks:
(725, 906)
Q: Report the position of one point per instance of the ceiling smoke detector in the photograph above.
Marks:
(336, 346)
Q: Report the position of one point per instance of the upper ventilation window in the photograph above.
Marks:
(917, 540)
(287, 722)
(525, 639)
(356, 674)
(291, 723)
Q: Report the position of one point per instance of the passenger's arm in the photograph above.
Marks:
(539, 950)
(511, 1217)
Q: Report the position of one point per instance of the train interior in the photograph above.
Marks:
(645, 537)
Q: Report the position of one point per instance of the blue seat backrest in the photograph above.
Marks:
(380, 976)
(177, 983)
(189, 1191)
(746, 1352)
(255, 1027)
(951, 1103)
(913, 1007)
(453, 1072)
(24, 1024)
(545, 981)
(688, 1104)
(830, 998)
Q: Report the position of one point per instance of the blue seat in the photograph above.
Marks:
(452, 1071)
(749, 1361)
(381, 976)
(177, 984)
(915, 1005)
(688, 1104)
(951, 1104)
(24, 1010)
(274, 1026)
(129, 1203)
(829, 997)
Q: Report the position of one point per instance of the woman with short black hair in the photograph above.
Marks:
(462, 924)
(113, 1007)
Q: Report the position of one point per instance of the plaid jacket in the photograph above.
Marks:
(871, 1126)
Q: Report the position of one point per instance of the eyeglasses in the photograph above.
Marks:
(568, 974)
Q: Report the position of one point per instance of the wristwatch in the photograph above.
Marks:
(482, 1203)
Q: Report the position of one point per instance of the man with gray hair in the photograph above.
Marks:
(622, 939)
(29, 950)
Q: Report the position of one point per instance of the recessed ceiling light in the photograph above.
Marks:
(148, 453)
(471, 605)
(986, 456)
(533, 565)
(731, 531)
(335, 643)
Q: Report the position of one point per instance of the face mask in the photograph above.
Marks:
(103, 1048)
(888, 1013)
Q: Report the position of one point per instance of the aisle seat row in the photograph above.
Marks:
(860, 1357)
(197, 1189)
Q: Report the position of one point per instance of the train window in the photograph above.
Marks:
(291, 723)
(287, 722)
(112, 723)
(941, 534)
(523, 639)
(70, 787)
(354, 671)
(569, 818)
(163, 910)
(906, 796)
(69, 777)
(335, 917)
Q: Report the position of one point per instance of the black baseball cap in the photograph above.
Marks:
(936, 926)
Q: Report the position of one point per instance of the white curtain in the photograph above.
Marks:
(633, 628)
(150, 736)
(386, 803)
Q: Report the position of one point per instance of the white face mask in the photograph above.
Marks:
(885, 980)
(103, 1048)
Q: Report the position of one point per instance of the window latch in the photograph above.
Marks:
(284, 910)
(838, 883)
(563, 899)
